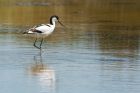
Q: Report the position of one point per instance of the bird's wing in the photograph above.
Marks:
(43, 28)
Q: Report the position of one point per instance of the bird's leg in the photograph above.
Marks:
(41, 57)
(41, 43)
(35, 44)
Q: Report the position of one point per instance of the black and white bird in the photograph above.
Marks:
(44, 29)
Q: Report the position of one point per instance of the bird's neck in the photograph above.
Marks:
(52, 22)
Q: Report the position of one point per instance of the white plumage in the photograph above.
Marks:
(44, 29)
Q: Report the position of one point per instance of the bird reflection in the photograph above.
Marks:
(45, 75)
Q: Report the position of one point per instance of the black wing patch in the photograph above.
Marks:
(37, 31)
(42, 25)
(48, 25)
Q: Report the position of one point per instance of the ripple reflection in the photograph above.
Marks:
(45, 76)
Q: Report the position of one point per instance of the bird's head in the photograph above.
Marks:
(55, 18)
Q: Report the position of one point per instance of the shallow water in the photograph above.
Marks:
(97, 52)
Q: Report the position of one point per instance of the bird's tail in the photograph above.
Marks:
(30, 31)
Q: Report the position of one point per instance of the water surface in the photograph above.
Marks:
(97, 52)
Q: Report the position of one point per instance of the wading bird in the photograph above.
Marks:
(43, 29)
